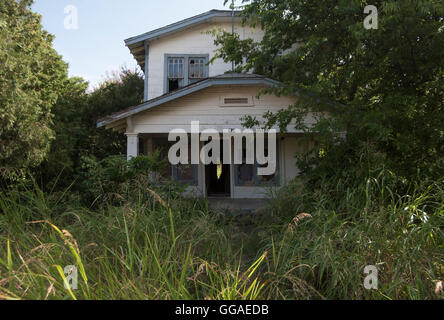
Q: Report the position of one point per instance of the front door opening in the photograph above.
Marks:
(217, 179)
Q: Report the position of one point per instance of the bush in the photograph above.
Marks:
(115, 181)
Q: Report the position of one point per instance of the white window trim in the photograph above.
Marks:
(186, 56)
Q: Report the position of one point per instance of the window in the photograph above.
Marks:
(187, 174)
(270, 179)
(182, 70)
(162, 146)
(175, 68)
(246, 174)
(196, 69)
(175, 73)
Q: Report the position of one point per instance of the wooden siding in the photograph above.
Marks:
(204, 106)
(191, 41)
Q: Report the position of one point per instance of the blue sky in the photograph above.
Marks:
(96, 47)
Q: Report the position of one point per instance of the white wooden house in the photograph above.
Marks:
(180, 87)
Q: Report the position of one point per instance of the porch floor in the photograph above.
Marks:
(237, 205)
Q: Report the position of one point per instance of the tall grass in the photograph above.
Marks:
(137, 251)
(323, 254)
(157, 245)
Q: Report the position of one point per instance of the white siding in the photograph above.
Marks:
(204, 106)
(192, 41)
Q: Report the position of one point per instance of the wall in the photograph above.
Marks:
(191, 41)
(288, 170)
(204, 106)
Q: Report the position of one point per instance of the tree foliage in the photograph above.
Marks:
(385, 85)
(31, 78)
(75, 120)
(124, 89)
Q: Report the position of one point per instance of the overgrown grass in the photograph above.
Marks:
(323, 253)
(157, 245)
(145, 250)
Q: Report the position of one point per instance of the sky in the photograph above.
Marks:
(96, 47)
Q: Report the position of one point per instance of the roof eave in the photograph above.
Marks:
(136, 44)
(183, 24)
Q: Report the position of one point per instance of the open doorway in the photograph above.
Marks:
(218, 179)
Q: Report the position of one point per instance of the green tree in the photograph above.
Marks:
(75, 119)
(63, 157)
(384, 85)
(120, 91)
(31, 78)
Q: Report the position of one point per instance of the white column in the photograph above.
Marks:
(132, 145)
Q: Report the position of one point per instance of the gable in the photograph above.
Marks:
(207, 107)
(136, 44)
(195, 41)
(226, 79)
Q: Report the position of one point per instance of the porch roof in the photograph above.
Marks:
(221, 80)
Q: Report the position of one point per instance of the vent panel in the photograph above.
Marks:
(236, 101)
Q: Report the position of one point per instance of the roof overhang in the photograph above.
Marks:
(223, 80)
(137, 44)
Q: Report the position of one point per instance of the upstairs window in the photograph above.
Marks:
(175, 73)
(196, 69)
(182, 70)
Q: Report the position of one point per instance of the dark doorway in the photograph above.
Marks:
(217, 179)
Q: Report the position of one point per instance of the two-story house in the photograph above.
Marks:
(181, 87)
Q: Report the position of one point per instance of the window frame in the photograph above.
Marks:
(240, 183)
(257, 182)
(193, 182)
(186, 80)
(174, 63)
(174, 168)
(154, 143)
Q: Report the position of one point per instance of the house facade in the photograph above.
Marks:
(181, 88)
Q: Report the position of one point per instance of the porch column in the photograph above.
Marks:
(132, 145)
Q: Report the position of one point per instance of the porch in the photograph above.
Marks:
(219, 182)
